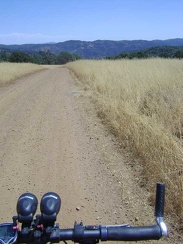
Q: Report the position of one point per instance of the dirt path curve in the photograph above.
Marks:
(47, 143)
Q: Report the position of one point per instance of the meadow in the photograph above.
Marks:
(9, 72)
(141, 102)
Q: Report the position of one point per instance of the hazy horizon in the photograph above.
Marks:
(88, 41)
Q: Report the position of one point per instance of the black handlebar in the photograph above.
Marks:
(160, 200)
(135, 233)
(43, 228)
(97, 233)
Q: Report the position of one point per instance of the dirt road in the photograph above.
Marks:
(45, 146)
(50, 140)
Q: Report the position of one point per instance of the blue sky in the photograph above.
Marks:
(40, 21)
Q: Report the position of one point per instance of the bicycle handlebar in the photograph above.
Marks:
(135, 233)
(96, 233)
(43, 229)
(160, 200)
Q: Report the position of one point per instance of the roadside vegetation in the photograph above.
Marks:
(47, 57)
(41, 57)
(12, 71)
(161, 52)
(141, 102)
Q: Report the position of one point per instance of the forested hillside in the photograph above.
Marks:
(39, 58)
(162, 52)
(92, 49)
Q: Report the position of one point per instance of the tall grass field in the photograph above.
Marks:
(9, 72)
(141, 101)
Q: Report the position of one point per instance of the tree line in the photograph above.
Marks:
(162, 52)
(47, 57)
(43, 57)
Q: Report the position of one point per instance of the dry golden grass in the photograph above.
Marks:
(12, 71)
(142, 103)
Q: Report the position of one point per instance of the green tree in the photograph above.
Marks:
(37, 59)
(47, 57)
(65, 57)
(4, 56)
(163, 55)
(20, 57)
(178, 54)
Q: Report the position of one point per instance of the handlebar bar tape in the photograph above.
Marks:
(160, 200)
(134, 233)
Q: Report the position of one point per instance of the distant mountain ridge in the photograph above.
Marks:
(93, 49)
